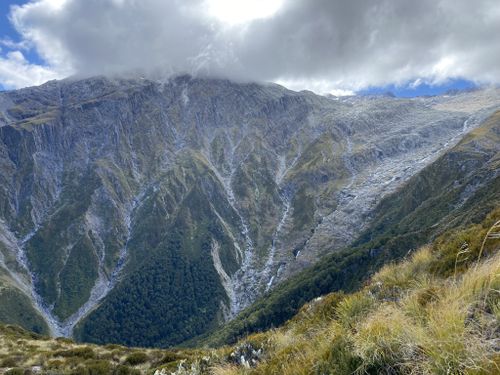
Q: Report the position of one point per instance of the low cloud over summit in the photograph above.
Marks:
(322, 45)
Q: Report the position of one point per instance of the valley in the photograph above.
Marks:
(405, 319)
(148, 213)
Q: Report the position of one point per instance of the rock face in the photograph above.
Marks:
(147, 212)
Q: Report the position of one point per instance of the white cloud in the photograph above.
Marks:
(235, 12)
(323, 45)
(322, 87)
(17, 72)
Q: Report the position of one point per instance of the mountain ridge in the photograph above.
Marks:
(430, 203)
(106, 172)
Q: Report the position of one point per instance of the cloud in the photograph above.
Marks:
(360, 43)
(113, 36)
(323, 45)
(16, 71)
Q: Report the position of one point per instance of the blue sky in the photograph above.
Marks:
(7, 31)
(332, 46)
(408, 90)
(5, 26)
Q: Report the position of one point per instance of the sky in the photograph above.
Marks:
(339, 47)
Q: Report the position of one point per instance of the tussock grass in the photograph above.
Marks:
(386, 339)
(354, 308)
(225, 370)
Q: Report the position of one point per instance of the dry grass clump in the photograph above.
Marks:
(225, 369)
(354, 308)
(398, 277)
(386, 340)
(319, 311)
(462, 329)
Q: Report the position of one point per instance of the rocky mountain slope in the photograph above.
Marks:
(457, 190)
(147, 212)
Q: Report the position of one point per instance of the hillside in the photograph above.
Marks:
(115, 192)
(438, 312)
(460, 188)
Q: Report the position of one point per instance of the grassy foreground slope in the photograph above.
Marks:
(436, 312)
(459, 189)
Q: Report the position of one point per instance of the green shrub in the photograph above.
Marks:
(99, 368)
(93, 367)
(125, 370)
(82, 352)
(8, 362)
(64, 340)
(136, 358)
(15, 371)
(170, 357)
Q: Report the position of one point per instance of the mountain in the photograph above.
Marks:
(422, 315)
(148, 212)
(457, 190)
